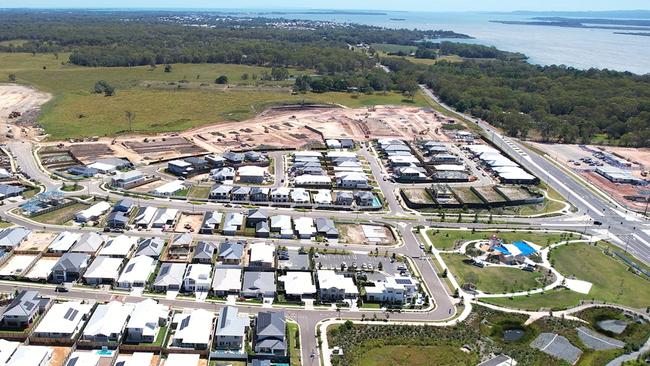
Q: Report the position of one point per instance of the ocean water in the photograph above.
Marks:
(576, 47)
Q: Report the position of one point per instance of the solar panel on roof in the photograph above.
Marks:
(402, 281)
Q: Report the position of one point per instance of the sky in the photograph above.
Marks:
(412, 5)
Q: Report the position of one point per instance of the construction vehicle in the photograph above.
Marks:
(15, 114)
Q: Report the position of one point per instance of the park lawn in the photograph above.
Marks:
(60, 216)
(611, 280)
(558, 299)
(493, 280)
(445, 239)
(294, 347)
(416, 356)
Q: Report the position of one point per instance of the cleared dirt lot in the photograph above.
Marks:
(21, 99)
(37, 242)
(354, 234)
(187, 221)
(59, 355)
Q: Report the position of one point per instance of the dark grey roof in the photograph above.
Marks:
(151, 247)
(262, 227)
(257, 214)
(270, 324)
(343, 194)
(325, 225)
(117, 217)
(125, 203)
(232, 156)
(241, 190)
(71, 262)
(82, 170)
(261, 281)
(25, 304)
(204, 250)
(230, 250)
(260, 190)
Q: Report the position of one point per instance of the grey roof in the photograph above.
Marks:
(170, 274)
(182, 240)
(232, 156)
(230, 324)
(260, 190)
(118, 162)
(117, 216)
(211, 219)
(241, 190)
(151, 247)
(257, 214)
(261, 281)
(364, 195)
(9, 190)
(258, 362)
(494, 361)
(25, 304)
(204, 250)
(13, 236)
(343, 194)
(262, 227)
(230, 250)
(221, 189)
(71, 262)
(126, 203)
(325, 225)
(270, 324)
(88, 243)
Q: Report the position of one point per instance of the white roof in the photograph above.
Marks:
(181, 359)
(180, 163)
(516, 175)
(64, 241)
(102, 167)
(194, 326)
(95, 210)
(281, 222)
(330, 279)
(146, 315)
(353, 176)
(341, 154)
(108, 319)
(304, 225)
(137, 269)
(227, 278)
(30, 356)
(165, 214)
(104, 267)
(119, 246)
(135, 359)
(7, 349)
(308, 154)
(323, 196)
(476, 149)
(332, 143)
(170, 187)
(63, 317)
(282, 191)
(199, 272)
(146, 216)
(17, 264)
(403, 159)
(312, 179)
(299, 195)
(298, 283)
(83, 358)
(262, 252)
(234, 219)
(449, 167)
(251, 171)
(43, 268)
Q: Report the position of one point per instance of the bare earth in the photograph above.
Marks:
(21, 99)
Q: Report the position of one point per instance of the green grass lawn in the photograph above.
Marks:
(491, 279)
(75, 111)
(60, 216)
(199, 192)
(294, 344)
(610, 278)
(446, 239)
(555, 299)
(416, 356)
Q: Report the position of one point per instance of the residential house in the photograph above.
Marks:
(179, 248)
(344, 198)
(323, 197)
(298, 284)
(179, 167)
(215, 160)
(352, 180)
(182, 359)
(23, 309)
(280, 194)
(240, 193)
(7, 349)
(227, 280)
(170, 277)
(82, 171)
(230, 252)
(304, 227)
(103, 270)
(411, 174)
(231, 329)
(262, 229)
(204, 252)
(325, 227)
(124, 205)
(193, 329)
(220, 192)
(499, 360)
(92, 213)
(8, 190)
(256, 216)
(197, 278)
(251, 174)
(119, 247)
(261, 256)
(88, 243)
(64, 320)
(31, 356)
(258, 284)
(334, 287)
(254, 156)
(145, 321)
(170, 188)
(136, 272)
(308, 180)
(259, 194)
(211, 222)
(392, 290)
(223, 174)
(128, 179)
(107, 323)
(63, 242)
(364, 198)
(151, 247)
(12, 237)
(70, 267)
(300, 195)
(165, 218)
(282, 224)
(117, 220)
(144, 216)
(270, 333)
(232, 223)
(84, 358)
(233, 157)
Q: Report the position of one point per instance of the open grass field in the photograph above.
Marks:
(60, 216)
(416, 356)
(611, 280)
(160, 101)
(447, 239)
(491, 279)
(294, 349)
(556, 300)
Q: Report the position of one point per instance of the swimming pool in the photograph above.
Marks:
(524, 248)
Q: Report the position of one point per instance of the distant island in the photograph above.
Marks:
(326, 12)
(642, 34)
(589, 23)
(398, 19)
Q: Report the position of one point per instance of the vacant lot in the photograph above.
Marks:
(416, 356)
(611, 280)
(448, 239)
(60, 216)
(192, 100)
(492, 279)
